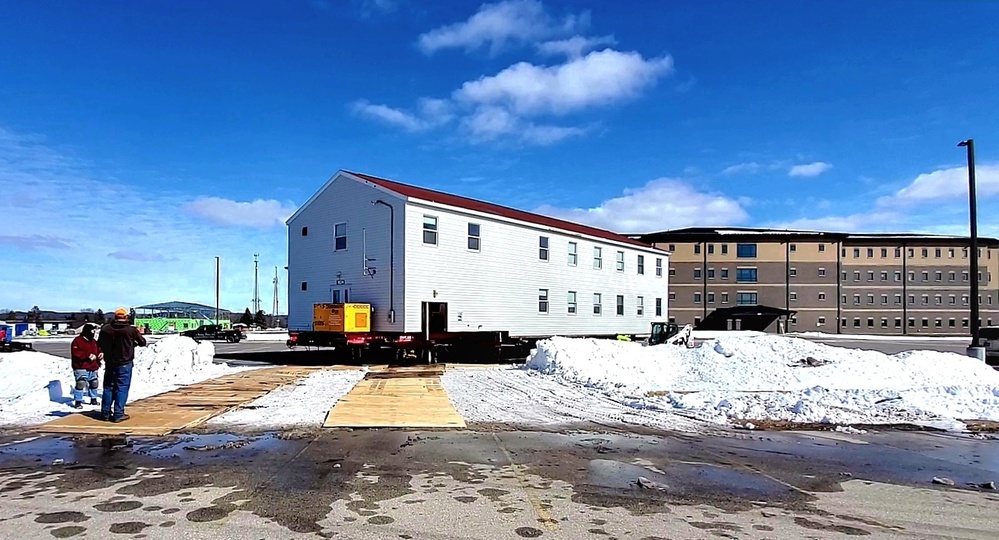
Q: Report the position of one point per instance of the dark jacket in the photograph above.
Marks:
(80, 351)
(117, 341)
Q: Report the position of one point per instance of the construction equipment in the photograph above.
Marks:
(669, 334)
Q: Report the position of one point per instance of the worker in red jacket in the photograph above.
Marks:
(86, 357)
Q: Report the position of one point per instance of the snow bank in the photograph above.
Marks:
(779, 378)
(281, 336)
(34, 386)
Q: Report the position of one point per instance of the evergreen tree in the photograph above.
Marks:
(260, 319)
(247, 318)
(99, 316)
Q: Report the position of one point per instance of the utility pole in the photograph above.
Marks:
(217, 276)
(276, 309)
(256, 286)
(975, 349)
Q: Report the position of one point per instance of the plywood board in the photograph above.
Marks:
(406, 401)
(185, 407)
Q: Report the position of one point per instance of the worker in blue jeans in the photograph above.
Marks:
(118, 341)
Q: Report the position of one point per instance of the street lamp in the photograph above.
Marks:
(975, 349)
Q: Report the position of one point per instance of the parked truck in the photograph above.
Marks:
(7, 343)
(346, 327)
(213, 332)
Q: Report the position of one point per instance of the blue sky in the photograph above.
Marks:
(139, 140)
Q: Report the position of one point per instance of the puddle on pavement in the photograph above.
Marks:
(194, 448)
(686, 480)
(42, 450)
(210, 446)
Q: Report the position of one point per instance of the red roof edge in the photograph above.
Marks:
(495, 209)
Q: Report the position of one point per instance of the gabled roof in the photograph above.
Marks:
(489, 208)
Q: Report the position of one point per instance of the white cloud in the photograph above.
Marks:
(660, 204)
(139, 256)
(951, 183)
(505, 105)
(859, 222)
(491, 123)
(509, 103)
(575, 46)
(599, 78)
(34, 242)
(501, 25)
(810, 169)
(260, 213)
(545, 135)
(430, 113)
(741, 168)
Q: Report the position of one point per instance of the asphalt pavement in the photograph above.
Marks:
(494, 484)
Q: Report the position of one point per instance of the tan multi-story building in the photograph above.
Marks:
(834, 282)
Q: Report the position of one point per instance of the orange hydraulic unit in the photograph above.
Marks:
(341, 318)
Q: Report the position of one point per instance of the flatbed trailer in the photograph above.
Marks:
(483, 346)
(345, 328)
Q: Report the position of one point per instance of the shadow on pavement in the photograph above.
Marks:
(321, 357)
(327, 357)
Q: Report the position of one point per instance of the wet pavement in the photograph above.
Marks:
(498, 484)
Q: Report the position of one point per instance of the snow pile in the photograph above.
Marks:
(35, 387)
(777, 378)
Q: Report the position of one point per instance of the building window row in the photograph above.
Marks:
(710, 297)
(925, 299)
(925, 275)
(925, 253)
(474, 243)
(742, 251)
(572, 303)
(911, 323)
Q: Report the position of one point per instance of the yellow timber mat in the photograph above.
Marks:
(403, 397)
(184, 407)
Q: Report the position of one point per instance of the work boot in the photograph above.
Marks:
(78, 405)
(121, 418)
(93, 401)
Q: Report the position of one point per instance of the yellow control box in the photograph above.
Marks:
(342, 318)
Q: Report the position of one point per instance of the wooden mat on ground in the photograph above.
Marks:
(409, 397)
(184, 407)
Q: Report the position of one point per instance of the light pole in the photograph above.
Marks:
(975, 349)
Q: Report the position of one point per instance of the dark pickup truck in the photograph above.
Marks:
(213, 332)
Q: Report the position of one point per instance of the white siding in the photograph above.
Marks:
(312, 258)
(496, 288)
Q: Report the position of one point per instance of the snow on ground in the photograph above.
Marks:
(36, 387)
(527, 398)
(875, 337)
(281, 336)
(301, 404)
(775, 377)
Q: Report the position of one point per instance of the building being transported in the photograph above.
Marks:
(433, 262)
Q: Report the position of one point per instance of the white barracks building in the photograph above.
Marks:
(418, 255)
